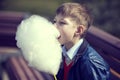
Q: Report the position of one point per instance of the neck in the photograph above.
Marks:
(71, 44)
(68, 45)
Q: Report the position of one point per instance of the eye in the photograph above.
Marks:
(62, 23)
(53, 21)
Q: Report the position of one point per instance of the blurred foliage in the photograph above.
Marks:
(41, 7)
(106, 12)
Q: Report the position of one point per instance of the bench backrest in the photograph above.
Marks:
(107, 45)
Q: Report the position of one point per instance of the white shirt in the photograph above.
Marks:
(72, 51)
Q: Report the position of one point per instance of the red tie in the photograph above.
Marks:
(66, 69)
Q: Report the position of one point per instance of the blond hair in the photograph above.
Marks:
(77, 12)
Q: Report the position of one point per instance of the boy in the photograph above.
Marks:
(80, 60)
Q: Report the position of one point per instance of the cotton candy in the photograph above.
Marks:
(37, 39)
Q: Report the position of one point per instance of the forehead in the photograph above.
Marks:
(66, 19)
(62, 18)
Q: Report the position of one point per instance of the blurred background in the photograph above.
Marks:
(106, 12)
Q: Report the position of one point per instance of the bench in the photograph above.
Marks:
(107, 45)
(8, 25)
(6, 52)
(15, 65)
(18, 69)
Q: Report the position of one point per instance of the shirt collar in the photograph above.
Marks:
(72, 51)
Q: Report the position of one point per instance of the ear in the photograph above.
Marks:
(80, 30)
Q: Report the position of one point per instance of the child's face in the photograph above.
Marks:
(67, 29)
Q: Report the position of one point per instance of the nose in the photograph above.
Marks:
(55, 24)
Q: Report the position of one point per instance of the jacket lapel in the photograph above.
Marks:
(80, 51)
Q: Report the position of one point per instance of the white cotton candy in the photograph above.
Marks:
(37, 38)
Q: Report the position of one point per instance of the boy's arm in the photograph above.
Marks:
(94, 70)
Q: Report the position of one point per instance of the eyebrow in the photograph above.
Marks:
(63, 20)
(60, 20)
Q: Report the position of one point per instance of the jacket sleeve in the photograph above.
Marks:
(94, 70)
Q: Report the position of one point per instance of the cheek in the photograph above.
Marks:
(67, 35)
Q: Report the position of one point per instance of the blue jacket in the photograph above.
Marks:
(88, 65)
